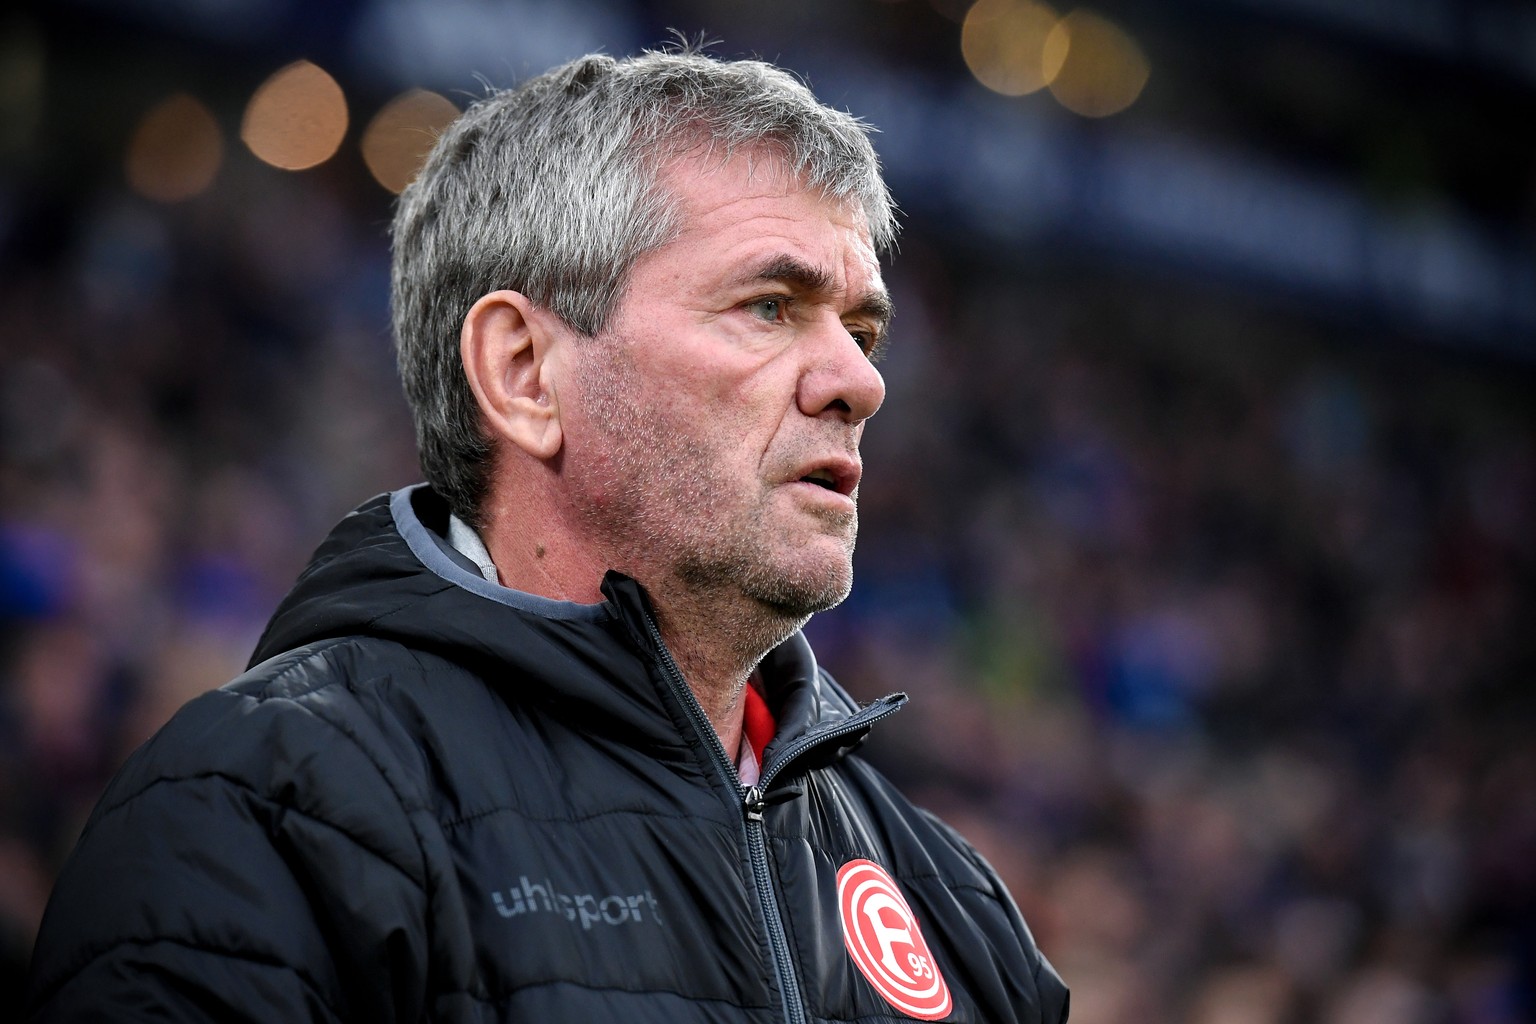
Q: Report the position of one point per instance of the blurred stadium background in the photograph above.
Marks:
(1200, 521)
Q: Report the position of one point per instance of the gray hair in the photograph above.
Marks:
(553, 189)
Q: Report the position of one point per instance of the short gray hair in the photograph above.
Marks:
(553, 189)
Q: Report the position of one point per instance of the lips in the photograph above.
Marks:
(839, 475)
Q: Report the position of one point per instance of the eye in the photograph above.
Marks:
(770, 309)
(869, 342)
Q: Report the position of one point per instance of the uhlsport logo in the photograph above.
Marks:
(586, 908)
(886, 944)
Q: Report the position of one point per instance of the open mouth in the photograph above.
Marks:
(821, 478)
(840, 476)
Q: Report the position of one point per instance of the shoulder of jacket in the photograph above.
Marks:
(303, 730)
(346, 661)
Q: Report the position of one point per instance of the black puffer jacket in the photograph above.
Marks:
(438, 799)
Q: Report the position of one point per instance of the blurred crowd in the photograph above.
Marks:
(189, 397)
(1216, 619)
(1219, 636)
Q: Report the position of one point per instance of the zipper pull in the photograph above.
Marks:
(757, 798)
(754, 804)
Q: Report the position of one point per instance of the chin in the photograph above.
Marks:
(803, 592)
(791, 584)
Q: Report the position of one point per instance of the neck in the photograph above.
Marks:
(717, 642)
(716, 638)
(536, 553)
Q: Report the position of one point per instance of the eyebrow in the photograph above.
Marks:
(803, 276)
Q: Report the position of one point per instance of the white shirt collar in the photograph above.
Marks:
(466, 541)
(746, 762)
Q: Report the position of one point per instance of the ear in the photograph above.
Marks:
(504, 345)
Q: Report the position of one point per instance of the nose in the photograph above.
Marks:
(838, 379)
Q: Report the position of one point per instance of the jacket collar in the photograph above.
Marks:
(387, 571)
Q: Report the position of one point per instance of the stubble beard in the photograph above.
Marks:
(659, 501)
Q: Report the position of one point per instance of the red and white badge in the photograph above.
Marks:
(885, 942)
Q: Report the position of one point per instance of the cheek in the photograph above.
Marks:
(735, 409)
(764, 420)
(731, 411)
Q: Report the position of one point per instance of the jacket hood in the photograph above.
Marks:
(387, 571)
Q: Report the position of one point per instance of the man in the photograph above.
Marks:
(542, 740)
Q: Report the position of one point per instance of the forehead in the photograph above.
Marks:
(751, 201)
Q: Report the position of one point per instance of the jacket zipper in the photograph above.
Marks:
(752, 803)
(789, 986)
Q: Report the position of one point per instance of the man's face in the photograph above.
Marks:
(713, 440)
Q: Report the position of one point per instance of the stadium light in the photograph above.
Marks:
(175, 151)
(297, 118)
(1093, 67)
(1003, 43)
(397, 139)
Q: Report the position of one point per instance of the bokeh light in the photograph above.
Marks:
(297, 118)
(398, 138)
(1003, 42)
(1092, 66)
(176, 150)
